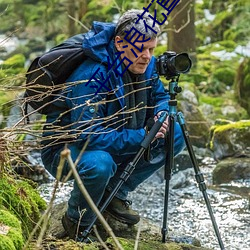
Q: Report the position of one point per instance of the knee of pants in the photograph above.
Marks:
(179, 142)
(97, 165)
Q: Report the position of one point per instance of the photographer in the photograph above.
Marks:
(109, 105)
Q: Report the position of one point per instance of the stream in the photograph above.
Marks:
(187, 212)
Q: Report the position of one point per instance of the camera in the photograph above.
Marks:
(171, 65)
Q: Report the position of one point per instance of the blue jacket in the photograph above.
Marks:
(100, 117)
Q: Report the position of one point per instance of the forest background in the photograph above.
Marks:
(214, 33)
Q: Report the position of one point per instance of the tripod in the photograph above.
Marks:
(169, 163)
(173, 90)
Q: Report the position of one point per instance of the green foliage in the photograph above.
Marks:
(160, 50)
(230, 22)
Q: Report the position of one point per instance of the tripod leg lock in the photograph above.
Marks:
(127, 172)
(200, 180)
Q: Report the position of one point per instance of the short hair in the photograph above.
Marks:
(128, 20)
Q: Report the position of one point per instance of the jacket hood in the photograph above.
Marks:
(98, 42)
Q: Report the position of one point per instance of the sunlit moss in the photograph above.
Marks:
(22, 200)
(239, 128)
(13, 238)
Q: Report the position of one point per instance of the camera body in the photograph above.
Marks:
(171, 65)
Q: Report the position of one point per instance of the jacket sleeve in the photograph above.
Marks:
(88, 117)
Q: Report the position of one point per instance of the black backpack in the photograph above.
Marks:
(48, 73)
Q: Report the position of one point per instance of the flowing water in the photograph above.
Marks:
(187, 212)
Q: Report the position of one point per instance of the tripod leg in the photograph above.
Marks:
(129, 168)
(168, 173)
(199, 177)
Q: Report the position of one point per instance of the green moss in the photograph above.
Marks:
(224, 75)
(60, 38)
(128, 244)
(13, 238)
(9, 219)
(236, 125)
(214, 101)
(16, 237)
(6, 243)
(16, 61)
(13, 71)
(239, 128)
(228, 45)
(22, 200)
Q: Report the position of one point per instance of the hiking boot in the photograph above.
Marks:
(75, 231)
(121, 211)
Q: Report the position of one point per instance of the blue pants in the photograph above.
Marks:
(99, 171)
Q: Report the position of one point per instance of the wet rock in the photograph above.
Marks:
(231, 169)
(181, 179)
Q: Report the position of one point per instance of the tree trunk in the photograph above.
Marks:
(181, 37)
(72, 14)
(83, 7)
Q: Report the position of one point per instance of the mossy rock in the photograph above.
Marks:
(22, 200)
(10, 231)
(242, 85)
(13, 70)
(232, 139)
(16, 61)
(150, 235)
(128, 244)
(225, 75)
(231, 169)
(219, 107)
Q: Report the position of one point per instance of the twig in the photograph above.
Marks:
(66, 154)
(77, 21)
(45, 217)
(99, 238)
(137, 236)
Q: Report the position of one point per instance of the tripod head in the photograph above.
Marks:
(174, 89)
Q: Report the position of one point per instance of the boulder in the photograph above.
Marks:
(231, 169)
(197, 125)
(232, 139)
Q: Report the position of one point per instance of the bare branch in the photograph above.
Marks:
(66, 154)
